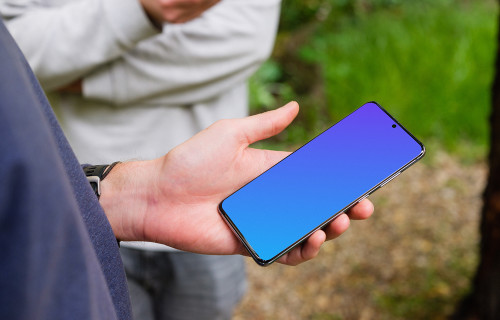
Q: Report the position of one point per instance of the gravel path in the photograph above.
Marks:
(411, 260)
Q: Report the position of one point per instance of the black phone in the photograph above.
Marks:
(302, 193)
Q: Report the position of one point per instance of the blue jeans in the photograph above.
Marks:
(181, 285)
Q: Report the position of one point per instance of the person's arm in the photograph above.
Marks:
(191, 62)
(64, 42)
(173, 199)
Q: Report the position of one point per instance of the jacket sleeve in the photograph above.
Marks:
(64, 42)
(191, 62)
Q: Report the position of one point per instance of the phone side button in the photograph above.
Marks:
(383, 184)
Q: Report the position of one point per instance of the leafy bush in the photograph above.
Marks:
(429, 63)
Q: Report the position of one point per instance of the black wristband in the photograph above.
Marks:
(95, 174)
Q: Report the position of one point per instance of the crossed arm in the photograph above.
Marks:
(105, 48)
(173, 199)
(65, 41)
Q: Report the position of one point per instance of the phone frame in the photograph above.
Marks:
(263, 262)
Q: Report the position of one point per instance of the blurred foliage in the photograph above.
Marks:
(296, 13)
(430, 63)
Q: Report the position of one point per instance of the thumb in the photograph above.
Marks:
(270, 123)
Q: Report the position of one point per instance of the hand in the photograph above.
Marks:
(175, 11)
(173, 199)
(74, 87)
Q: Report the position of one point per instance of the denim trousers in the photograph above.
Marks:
(180, 285)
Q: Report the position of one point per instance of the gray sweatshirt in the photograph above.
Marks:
(144, 92)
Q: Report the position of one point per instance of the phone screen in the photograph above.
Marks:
(309, 188)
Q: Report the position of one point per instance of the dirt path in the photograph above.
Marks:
(411, 260)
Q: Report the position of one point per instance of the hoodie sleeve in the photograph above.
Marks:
(64, 41)
(191, 62)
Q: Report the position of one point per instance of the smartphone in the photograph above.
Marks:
(331, 173)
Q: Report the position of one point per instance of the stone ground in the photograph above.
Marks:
(412, 260)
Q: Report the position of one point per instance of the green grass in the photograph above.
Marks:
(429, 64)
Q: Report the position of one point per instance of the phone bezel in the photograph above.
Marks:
(263, 262)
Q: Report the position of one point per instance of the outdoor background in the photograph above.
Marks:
(429, 63)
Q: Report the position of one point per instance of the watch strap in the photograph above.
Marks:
(96, 173)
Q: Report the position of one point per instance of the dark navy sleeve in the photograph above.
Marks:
(59, 257)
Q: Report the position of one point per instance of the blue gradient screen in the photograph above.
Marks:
(315, 183)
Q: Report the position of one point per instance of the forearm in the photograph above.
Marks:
(192, 62)
(66, 42)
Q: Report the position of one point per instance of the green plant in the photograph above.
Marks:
(428, 62)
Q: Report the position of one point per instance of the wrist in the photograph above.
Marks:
(126, 194)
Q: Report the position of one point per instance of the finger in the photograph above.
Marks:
(306, 251)
(189, 14)
(189, 5)
(337, 227)
(362, 210)
(270, 123)
(311, 247)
